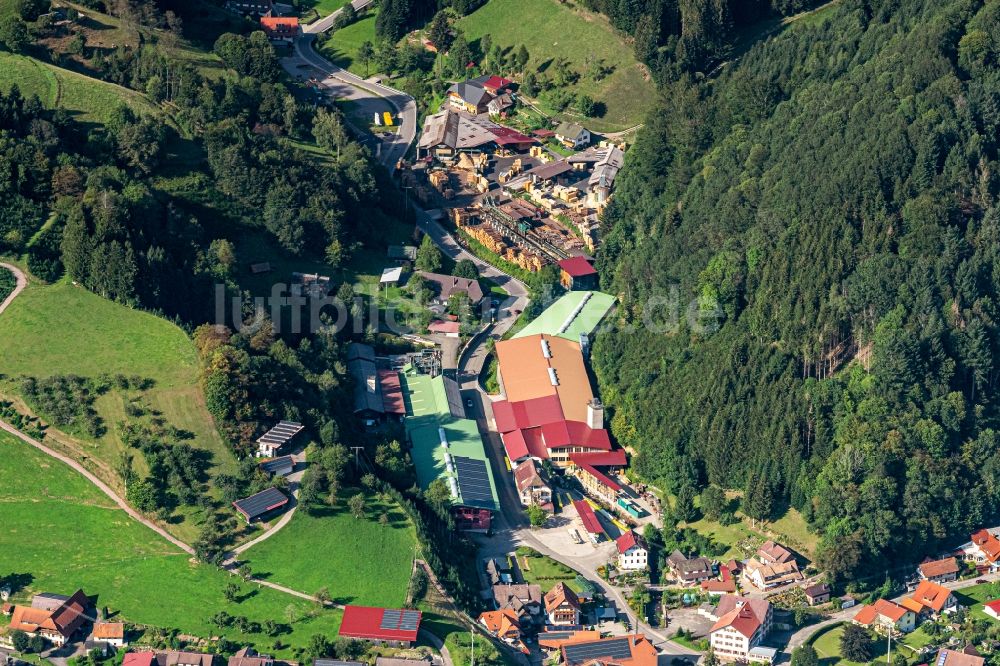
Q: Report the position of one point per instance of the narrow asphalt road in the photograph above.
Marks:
(371, 96)
(325, 23)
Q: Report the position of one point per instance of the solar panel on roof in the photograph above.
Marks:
(405, 620)
(473, 479)
(616, 648)
(262, 502)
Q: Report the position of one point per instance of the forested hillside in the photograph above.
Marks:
(834, 192)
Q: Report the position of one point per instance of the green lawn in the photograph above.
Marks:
(827, 644)
(65, 329)
(342, 47)
(546, 572)
(359, 561)
(316, 9)
(551, 29)
(60, 533)
(974, 597)
(88, 100)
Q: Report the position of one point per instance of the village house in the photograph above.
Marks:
(469, 97)
(532, 485)
(504, 624)
(816, 594)
(983, 550)
(446, 286)
(724, 584)
(525, 600)
(630, 650)
(280, 29)
(969, 657)
(772, 552)
(939, 571)
(54, 617)
(573, 136)
(931, 599)
(633, 554)
(884, 616)
(249, 657)
(992, 608)
(111, 633)
(689, 571)
(562, 606)
(382, 626)
(766, 576)
(171, 658)
(742, 626)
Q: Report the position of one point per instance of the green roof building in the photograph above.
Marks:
(446, 445)
(573, 314)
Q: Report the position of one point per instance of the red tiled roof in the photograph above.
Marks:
(514, 444)
(506, 136)
(503, 414)
(603, 478)
(443, 327)
(366, 622)
(627, 540)
(742, 619)
(580, 434)
(282, 26)
(939, 567)
(718, 585)
(987, 543)
(109, 630)
(589, 518)
(556, 434)
(577, 267)
(930, 594)
(139, 659)
(870, 613)
(613, 458)
(993, 606)
(496, 82)
(392, 392)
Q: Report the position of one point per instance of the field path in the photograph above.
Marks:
(21, 282)
(103, 487)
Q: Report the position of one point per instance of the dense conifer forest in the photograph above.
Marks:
(834, 193)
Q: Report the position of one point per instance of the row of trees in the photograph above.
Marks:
(831, 221)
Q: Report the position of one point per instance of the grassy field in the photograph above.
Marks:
(791, 529)
(58, 533)
(342, 48)
(551, 29)
(316, 9)
(827, 644)
(87, 99)
(546, 572)
(358, 561)
(974, 597)
(64, 329)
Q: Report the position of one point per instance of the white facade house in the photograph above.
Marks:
(633, 555)
(742, 625)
